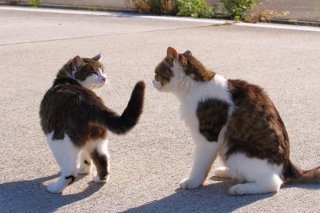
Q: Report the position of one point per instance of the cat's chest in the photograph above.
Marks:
(188, 113)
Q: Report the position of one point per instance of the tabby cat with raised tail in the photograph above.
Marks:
(233, 119)
(75, 120)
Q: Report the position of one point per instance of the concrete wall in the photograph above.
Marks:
(111, 4)
(103, 4)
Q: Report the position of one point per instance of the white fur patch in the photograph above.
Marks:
(262, 176)
(65, 154)
(94, 81)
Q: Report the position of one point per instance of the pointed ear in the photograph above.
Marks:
(77, 62)
(188, 53)
(97, 57)
(172, 53)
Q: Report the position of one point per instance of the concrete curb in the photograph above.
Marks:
(296, 22)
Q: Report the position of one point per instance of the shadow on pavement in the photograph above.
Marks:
(209, 198)
(310, 186)
(32, 196)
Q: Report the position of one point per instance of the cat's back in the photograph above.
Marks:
(255, 120)
(68, 96)
(66, 103)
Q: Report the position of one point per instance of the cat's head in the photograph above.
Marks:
(89, 72)
(177, 69)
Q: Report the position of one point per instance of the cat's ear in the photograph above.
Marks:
(77, 62)
(172, 53)
(188, 53)
(97, 57)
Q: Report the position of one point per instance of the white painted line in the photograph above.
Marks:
(197, 20)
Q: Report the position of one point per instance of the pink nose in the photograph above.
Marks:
(103, 79)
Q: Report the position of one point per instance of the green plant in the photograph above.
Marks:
(34, 3)
(194, 8)
(237, 8)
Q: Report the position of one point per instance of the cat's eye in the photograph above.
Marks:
(95, 73)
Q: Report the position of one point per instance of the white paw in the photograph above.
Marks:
(189, 184)
(238, 189)
(98, 180)
(55, 187)
(221, 172)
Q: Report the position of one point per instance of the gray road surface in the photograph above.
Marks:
(149, 162)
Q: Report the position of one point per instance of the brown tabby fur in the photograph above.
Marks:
(212, 115)
(194, 68)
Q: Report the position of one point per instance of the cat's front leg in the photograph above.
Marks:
(204, 155)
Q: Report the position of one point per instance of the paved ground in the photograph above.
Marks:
(149, 162)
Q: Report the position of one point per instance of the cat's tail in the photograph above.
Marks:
(294, 174)
(130, 116)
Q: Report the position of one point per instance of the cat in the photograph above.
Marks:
(75, 120)
(234, 120)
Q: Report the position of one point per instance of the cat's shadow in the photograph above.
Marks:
(209, 198)
(32, 196)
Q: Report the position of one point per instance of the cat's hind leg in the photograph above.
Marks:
(85, 163)
(100, 158)
(260, 176)
(65, 154)
(268, 184)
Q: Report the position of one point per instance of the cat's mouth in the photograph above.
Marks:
(100, 84)
(94, 86)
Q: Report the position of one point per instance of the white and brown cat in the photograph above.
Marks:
(233, 119)
(75, 120)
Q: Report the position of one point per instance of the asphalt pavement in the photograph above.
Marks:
(148, 163)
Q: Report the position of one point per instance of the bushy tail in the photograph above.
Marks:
(293, 174)
(130, 116)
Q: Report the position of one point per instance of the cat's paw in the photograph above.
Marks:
(222, 172)
(55, 187)
(97, 179)
(189, 184)
(238, 189)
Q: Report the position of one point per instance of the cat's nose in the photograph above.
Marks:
(103, 79)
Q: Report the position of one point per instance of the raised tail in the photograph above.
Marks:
(294, 174)
(130, 116)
